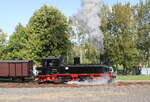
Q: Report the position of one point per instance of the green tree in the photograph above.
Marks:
(119, 31)
(18, 39)
(48, 31)
(16, 44)
(142, 16)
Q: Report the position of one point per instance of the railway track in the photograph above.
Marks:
(8, 84)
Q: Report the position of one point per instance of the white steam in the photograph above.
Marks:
(97, 81)
(88, 18)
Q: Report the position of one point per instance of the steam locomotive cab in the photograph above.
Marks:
(50, 65)
(51, 61)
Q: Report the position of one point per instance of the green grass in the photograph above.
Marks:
(140, 77)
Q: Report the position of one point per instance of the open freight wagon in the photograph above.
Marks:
(17, 70)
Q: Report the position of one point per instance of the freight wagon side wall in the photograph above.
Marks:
(15, 69)
(4, 69)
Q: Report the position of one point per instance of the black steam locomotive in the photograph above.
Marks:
(54, 70)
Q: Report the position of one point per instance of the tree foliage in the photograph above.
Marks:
(126, 34)
(47, 33)
(118, 28)
(142, 15)
(16, 43)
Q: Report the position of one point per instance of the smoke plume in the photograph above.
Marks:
(88, 18)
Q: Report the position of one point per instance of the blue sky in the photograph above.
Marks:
(15, 11)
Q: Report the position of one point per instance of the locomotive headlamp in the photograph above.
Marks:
(66, 68)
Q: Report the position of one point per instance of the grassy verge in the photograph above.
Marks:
(140, 77)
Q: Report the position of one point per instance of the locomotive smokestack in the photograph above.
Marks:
(76, 60)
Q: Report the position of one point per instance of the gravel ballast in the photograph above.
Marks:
(99, 93)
